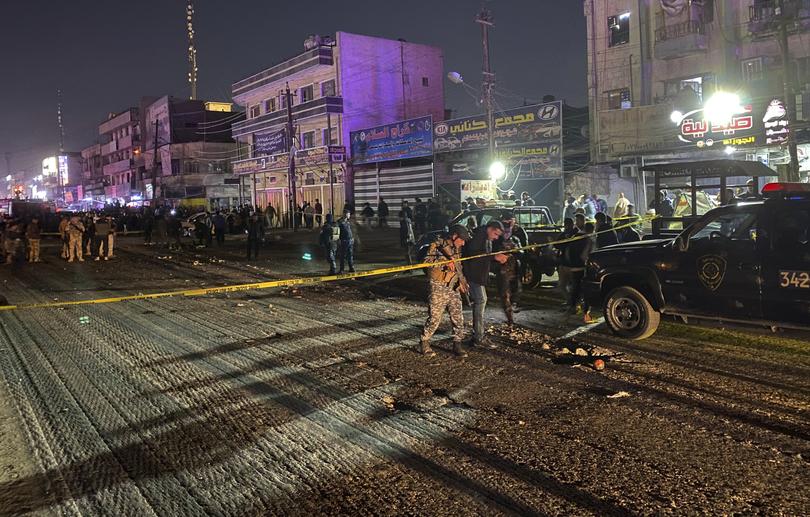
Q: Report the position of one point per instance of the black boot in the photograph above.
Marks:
(458, 350)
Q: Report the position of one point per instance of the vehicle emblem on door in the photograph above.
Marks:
(711, 269)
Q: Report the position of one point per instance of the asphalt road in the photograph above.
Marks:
(312, 401)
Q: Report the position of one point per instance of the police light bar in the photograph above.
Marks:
(786, 189)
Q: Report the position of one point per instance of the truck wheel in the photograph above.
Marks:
(630, 315)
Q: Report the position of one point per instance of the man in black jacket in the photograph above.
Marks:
(476, 271)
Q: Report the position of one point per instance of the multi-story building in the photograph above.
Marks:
(345, 83)
(653, 65)
(122, 163)
(93, 173)
(61, 179)
(194, 152)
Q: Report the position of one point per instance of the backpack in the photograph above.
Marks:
(335, 233)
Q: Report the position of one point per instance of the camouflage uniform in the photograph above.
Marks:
(508, 284)
(445, 283)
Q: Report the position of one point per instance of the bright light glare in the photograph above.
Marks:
(676, 117)
(455, 77)
(730, 150)
(624, 16)
(497, 171)
(722, 107)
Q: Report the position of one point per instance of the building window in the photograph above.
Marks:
(619, 99)
(425, 82)
(689, 91)
(254, 111)
(307, 93)
(283, 100)
(619, 29)
(270, 105)
(308, 139)
(752, 69)
(328, 88)
(329, 141)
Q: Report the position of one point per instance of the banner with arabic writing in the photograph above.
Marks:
(528, 139)
(407, 139)
(269, 142)
(539, 123)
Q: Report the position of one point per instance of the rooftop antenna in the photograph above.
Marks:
(192, 49)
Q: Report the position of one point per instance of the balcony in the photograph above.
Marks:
(117, 167)
(312, 108)
(680, 39)
(764, 18)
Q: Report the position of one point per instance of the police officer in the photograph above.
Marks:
(329, 238)
(346, 243)
(446, 285)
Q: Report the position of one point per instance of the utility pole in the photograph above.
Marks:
(291, 170)
(783, 19)
(331, 168)
(154, 167)
(486, 21)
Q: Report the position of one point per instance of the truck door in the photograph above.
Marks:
(719, 272)
(786, 268)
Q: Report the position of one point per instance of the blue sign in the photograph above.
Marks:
(407, 139)
(269, 143)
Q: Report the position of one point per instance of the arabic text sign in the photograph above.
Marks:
(407, 139)
(484, 189)
(527, 124)
(766, 125)
(270, 142)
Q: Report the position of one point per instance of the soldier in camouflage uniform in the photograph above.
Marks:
(508, 273)
(446, 285)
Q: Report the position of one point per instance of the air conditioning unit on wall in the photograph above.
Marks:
(628, 171)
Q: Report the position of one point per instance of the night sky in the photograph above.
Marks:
(106, 54)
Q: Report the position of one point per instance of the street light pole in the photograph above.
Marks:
(331, 167)
(291, 170)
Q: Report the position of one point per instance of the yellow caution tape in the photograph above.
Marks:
(301, 281)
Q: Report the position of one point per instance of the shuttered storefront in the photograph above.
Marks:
(393, 185)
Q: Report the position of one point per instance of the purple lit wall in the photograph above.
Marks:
(383, 81)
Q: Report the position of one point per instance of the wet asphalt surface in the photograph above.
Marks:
(312, 400)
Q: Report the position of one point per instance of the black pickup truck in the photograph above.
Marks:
(540, 228)
(745, 263)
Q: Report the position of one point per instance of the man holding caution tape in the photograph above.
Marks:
(446, 285)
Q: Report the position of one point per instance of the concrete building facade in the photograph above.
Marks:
(93, 173)
(651, 60)
(348, 82)
(194, 152)
(120, 141)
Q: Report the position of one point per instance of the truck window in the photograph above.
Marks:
(532, 219)
(792, 229)
(733, 225)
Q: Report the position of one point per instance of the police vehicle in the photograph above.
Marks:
(747, 263)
